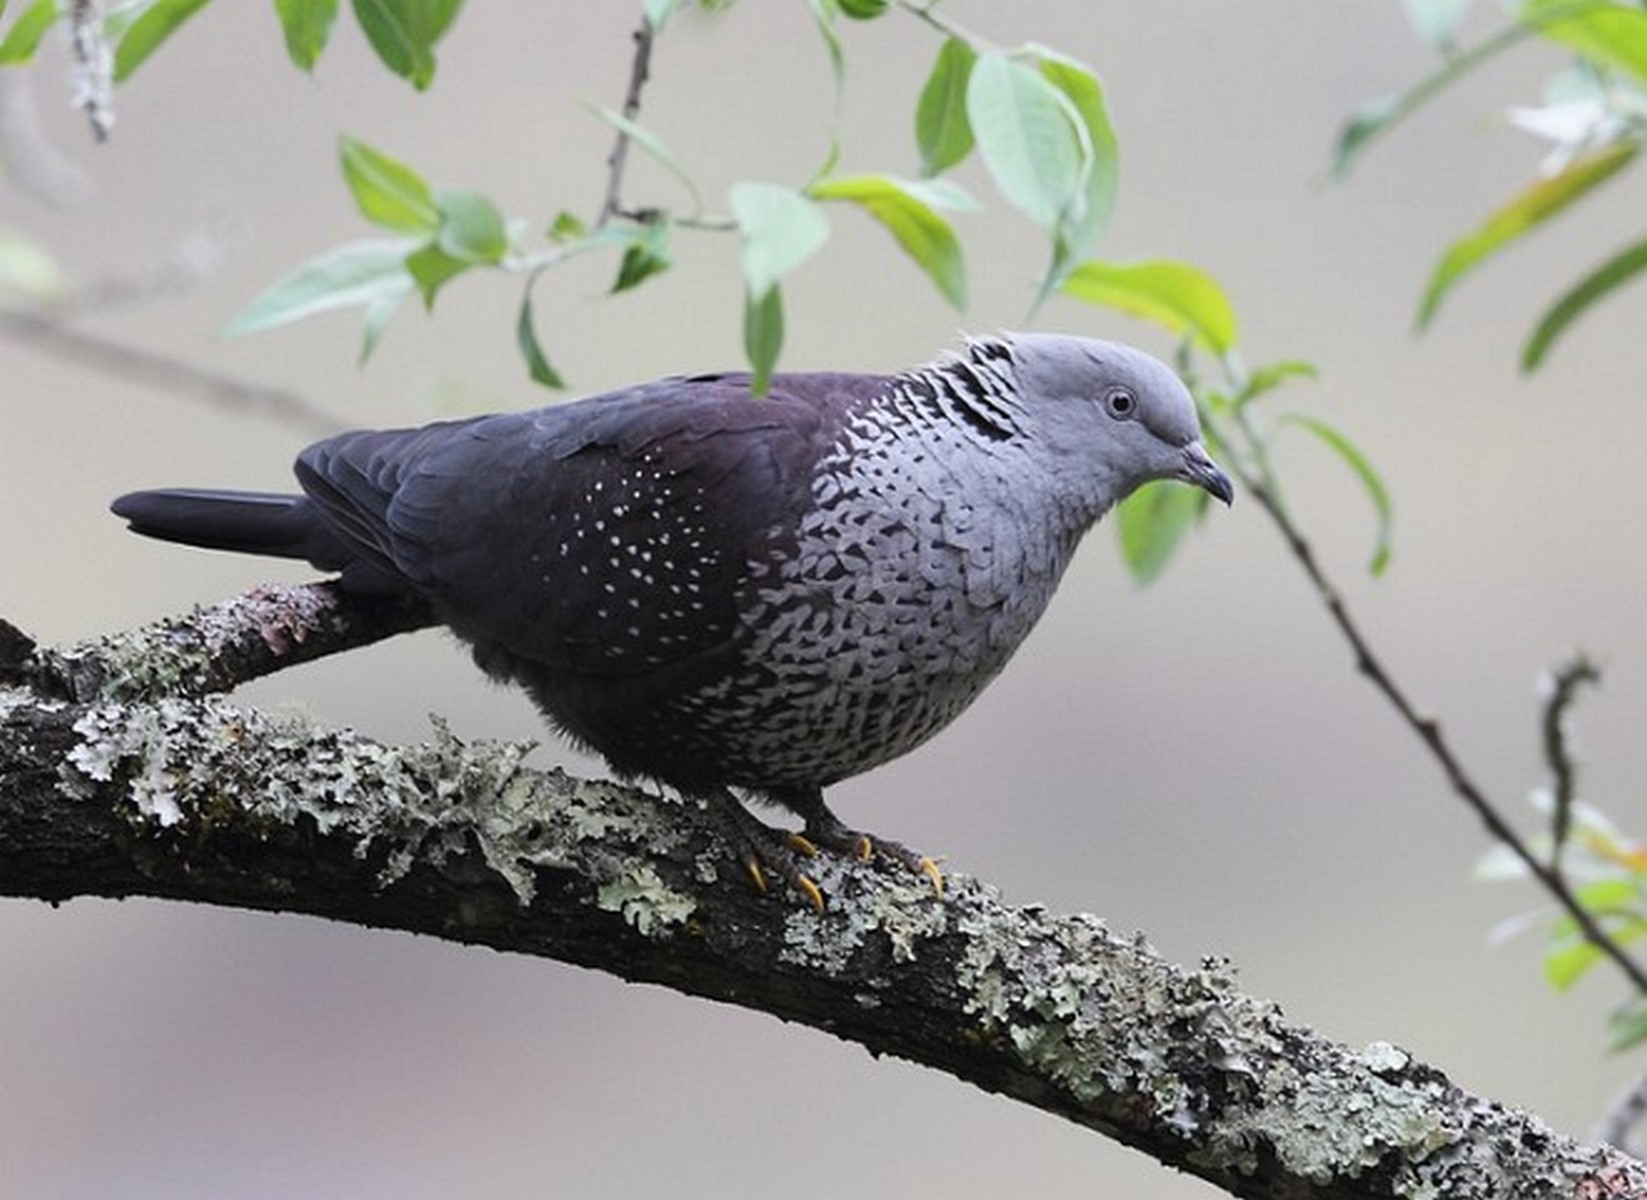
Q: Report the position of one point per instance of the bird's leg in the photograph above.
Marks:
(824, 829)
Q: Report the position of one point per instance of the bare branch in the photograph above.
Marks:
(83, 348)
(1618, 1126)
(1429, 732)
(93, 67)
(193, 798)
(1563, 690)
(618, 161)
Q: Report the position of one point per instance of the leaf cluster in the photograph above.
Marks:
(1035, 116)
(1593, 115)
(403, 33)
(1609, 874)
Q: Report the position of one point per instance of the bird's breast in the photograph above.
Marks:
(901, 592)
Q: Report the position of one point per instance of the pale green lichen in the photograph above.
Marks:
(644, 900)
(903, 909)
(1089, 1010)
(1329, 1125)
(206, 760)
(178, 656)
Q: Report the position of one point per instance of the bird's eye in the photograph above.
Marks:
(1120, 403)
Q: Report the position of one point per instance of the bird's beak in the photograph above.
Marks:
(1200, 470)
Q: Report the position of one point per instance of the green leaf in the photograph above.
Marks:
(388, 192)
(354, 275)
(471, 230)
(159, 22)
(1627, 1025)
(23, 38)
(403, 33)
(646, 255)
(924, 235)
(1370, 479)
(566, 227)
(658, 13)
(307, 25)
(1268, 378)
(943, 134)
(863, 10)
(1607, 897)
(378, 314)
(27, 269)
(1437, 21)
(1566, 962)
(941, 193)
(1152, 522)
(431, 268)
(1533, 206)
(1609, 276)
(762, 335)
(1177, 296)
(781, 229)
(526, 337)
(1571, 954)
(654, 146)
(1613, 34)
(1361, 127)
(1026, 137)
(1084, 223)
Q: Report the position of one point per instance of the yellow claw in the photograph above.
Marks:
(812, 891)
(930, 869)
(864, 848)
(756, 875)
(801, 844)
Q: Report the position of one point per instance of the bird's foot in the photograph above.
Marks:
(763, 846)
(824, 829)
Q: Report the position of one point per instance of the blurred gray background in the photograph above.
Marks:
(1197, 760)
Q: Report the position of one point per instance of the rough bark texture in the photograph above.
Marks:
(123, 775)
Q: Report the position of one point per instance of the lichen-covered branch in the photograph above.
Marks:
(211, 649)
(188, 796)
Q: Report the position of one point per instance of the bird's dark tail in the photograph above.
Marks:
(273, 524)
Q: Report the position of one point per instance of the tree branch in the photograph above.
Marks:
(1564, 683)
(83, 348)
(117, 782)
(1429, 732)
(617, 162)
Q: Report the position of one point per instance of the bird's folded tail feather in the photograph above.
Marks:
(273, 524)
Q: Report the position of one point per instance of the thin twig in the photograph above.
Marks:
(618, 160)
(1625, 1114)
(1428, 730)
(93, 67)
(86, 349)
(1564, 685)
(925, 11)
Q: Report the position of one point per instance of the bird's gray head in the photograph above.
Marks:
(1112, 418)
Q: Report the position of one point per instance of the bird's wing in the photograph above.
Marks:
(609, 535)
